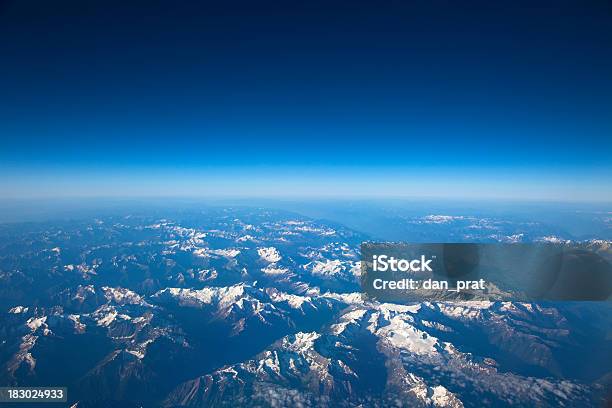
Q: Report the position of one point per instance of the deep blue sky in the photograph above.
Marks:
(458, 99)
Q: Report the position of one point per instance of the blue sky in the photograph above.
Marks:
(320, 99)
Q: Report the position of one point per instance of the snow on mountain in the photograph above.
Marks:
(222, 296)
(269, 254)
(417, 367)
(305, 365)
(331, 268)
(239, 302)
(23, 357)
(291, 360)
(247, 238)
(274, 269)
(122, 296)
(442, 219)
(18, 309)
(553, 240)
(325, 268)
(225, 252)
(35, 322)
(402, 335)
(294, 301)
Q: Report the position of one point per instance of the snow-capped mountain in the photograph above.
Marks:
(393, 355)
(259, 307)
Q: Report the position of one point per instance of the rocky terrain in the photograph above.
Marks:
(232, 307)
